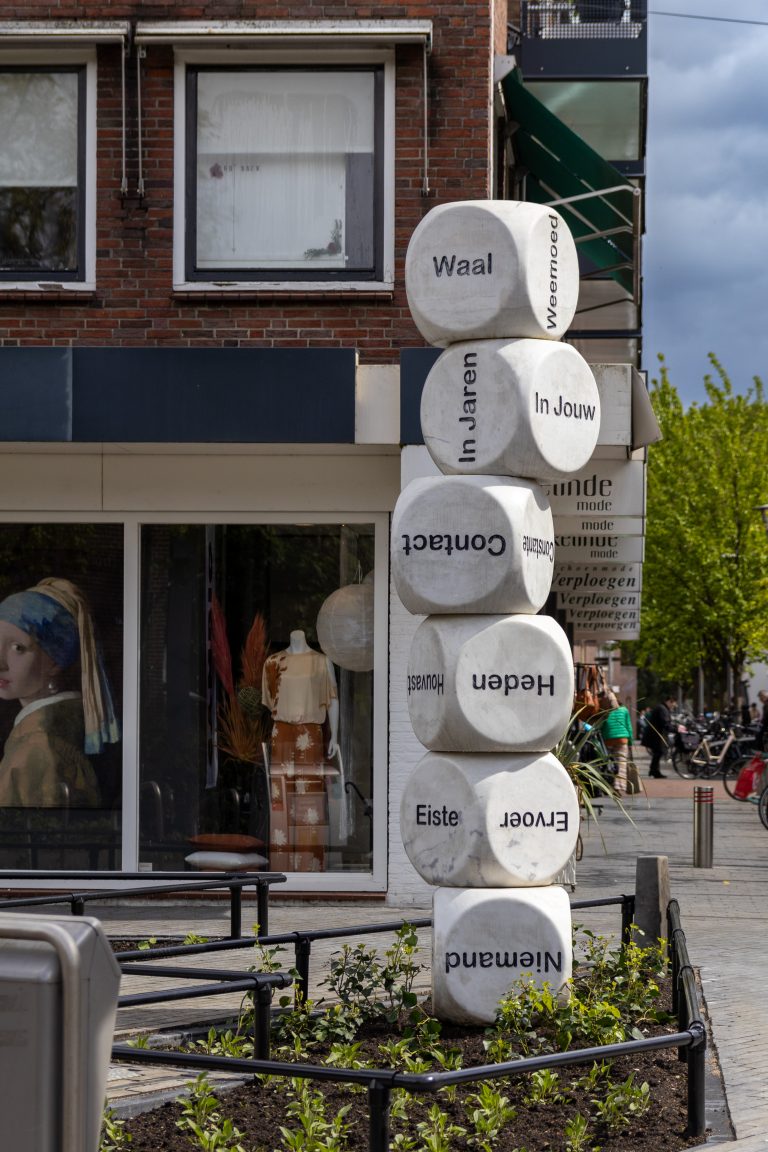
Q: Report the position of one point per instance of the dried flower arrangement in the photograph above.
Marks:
(243, 721)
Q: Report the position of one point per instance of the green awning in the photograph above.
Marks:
(601, 207)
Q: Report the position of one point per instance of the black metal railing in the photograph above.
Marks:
(690, 1039)
(583, 19)
(172, 884)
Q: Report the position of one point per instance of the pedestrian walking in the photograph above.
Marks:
(659, 722)
(618, 735)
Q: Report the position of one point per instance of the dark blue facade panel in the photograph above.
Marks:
(415, 364)
(36, 394)
(179, 395)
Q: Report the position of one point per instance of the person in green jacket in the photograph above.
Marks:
(618, 735)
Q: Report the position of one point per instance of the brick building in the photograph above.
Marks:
(209, 373)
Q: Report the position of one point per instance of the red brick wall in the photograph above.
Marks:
(134, 303)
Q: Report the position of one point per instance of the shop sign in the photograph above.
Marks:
(603, 488)
(577, 547)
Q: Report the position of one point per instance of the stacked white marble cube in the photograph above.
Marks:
(489, 816)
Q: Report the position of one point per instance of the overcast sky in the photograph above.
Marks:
(705, 255)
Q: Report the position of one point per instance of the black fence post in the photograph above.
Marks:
(262, 907)
(697, 1054)
(303, 949)
(262, 1005)
(627, 918)
(378, 1102)
(235, 911)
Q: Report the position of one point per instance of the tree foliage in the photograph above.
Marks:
(705, 578)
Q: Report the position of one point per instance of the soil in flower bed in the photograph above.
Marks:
(259, 1109)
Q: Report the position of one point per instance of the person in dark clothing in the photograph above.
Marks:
(762, 736)
(659, 721)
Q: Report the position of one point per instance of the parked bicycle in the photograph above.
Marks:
(747, 780)
(723, 753)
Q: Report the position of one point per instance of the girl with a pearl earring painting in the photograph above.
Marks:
(51, 665)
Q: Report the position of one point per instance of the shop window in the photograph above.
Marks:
(256, 744)
(61, 659)
(43, 187)
(285, 174)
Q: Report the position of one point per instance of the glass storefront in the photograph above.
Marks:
(253, 742)
(245, 732)
(61, 592)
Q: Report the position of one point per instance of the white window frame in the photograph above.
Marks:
(277, 57)
(53, 59)
(319, 882)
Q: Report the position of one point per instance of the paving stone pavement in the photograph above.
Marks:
(722, 911)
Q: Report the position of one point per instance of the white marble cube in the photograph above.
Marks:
(472, 544)
(490, 683)
(484, 940)
(489, 821)
(491, 269)
(511, 408)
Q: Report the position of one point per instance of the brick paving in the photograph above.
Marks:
(722, 912)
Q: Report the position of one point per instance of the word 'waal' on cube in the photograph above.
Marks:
(490, 683)
(511, 408)
(489, 821)
(472, 544)
(485, 941)
(491, 269)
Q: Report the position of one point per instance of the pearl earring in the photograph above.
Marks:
(52, 687)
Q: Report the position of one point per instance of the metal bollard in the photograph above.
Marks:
(703, 811)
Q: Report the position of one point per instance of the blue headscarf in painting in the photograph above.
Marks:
(54, 613)
(49, 623)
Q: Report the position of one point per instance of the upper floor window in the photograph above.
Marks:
(46, 183)
(286, 174)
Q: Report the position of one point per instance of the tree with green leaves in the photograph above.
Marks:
(705, 578)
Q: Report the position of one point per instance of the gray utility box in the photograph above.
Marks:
(59, 983)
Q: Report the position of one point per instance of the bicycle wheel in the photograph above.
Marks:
(731, 775)
(681, 762)
(762, 806)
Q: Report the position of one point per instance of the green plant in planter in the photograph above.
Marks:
(488, 1111)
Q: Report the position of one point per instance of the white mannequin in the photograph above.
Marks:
(297, 644)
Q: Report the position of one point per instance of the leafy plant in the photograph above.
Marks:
(437, 1132)
(114, 1137)
(576, 1133)
(145, 945)
(623, 1103)
(488, 1111)
(200, 1118)
(314, 1132)
(377, 989)
(544, 1088)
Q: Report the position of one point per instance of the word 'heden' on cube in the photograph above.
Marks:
(472, 544)
(489, 821)
(491, 269)
(511, 408)
(490, 683)
(486, 939)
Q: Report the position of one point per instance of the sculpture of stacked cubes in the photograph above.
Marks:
(489, 816)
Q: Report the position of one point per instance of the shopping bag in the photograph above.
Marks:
(633, 779)
(746, 781)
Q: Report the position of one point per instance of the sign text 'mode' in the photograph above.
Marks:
(510, 408)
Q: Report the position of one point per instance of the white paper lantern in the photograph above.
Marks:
(345, 627)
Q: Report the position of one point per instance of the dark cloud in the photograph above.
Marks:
(705, 268)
